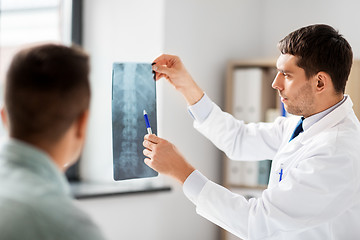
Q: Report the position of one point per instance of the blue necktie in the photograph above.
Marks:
(298, 129)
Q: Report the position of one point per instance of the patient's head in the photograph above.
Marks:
(47, 89)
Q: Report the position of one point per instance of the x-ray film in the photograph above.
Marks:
(133, 91)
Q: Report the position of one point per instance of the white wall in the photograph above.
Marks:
(150, 216)
(211, 33)
(206, 34)
(129, 31)
(114, 31)
(281, 17)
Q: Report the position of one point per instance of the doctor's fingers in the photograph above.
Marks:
(153, 164)
(148, 153)
(167, 59)
(152, 138)
(149, 145)
(161, 75)
(148, 162)
(164, 71)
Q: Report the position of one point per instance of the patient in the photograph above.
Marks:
(46, 110)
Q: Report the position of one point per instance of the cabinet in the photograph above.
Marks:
(250, 97)
(353, 86)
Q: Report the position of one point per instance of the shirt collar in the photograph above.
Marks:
(309, 121)
(35, 160)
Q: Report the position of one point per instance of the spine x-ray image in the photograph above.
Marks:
(133, 91)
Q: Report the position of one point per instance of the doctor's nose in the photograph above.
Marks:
(278, 82)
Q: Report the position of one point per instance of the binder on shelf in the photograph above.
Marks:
(242, 173)
(250, 173)
(247, 88)
(252, 94)
(234, 172)
(264, 172)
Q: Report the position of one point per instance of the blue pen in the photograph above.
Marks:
(281, 172)
(147, 123)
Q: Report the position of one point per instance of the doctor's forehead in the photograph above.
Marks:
(287, 63)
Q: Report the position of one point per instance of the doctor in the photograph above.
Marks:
(314, 186)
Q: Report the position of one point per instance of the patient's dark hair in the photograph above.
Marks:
(47, 88)
(320, 48)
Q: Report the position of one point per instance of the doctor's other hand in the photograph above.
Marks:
(163, 157)
(172, 68)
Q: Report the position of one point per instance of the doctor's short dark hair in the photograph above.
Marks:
(320, 48)
(47, 88)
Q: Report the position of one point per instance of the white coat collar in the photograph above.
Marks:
(309, 121)
(329, 120)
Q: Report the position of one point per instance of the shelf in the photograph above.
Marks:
(240, 74)
(262, 63)
(83, 190)
(259, 187)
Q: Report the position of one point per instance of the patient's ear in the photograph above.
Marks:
(4, 119)
(82, 124)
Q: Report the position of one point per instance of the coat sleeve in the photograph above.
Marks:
(320, 188)
(240, 141)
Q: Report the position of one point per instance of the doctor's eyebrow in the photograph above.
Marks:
(284, 71)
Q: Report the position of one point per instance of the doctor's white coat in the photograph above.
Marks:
(319, 195)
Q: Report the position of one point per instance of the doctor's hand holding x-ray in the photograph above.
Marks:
(163, 156)
(314, 184)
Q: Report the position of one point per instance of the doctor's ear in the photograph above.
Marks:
(322, 81)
